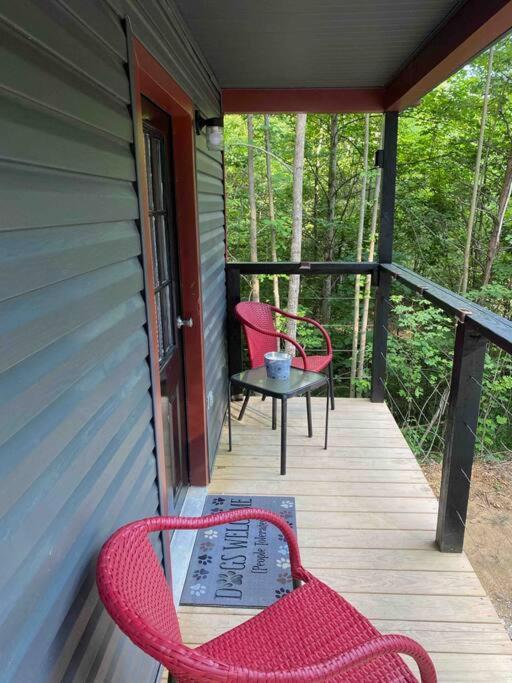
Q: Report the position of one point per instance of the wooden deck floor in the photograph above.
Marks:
(366, 525)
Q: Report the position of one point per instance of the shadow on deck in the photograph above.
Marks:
(366, 525)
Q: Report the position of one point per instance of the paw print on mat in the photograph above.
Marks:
(198, 589)
(206, 559)
(200, 573)
(283, 563)
(211, 533)
(287, 504)
(283, 577)
(281, 592)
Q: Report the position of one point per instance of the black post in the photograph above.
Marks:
(234, 329)
(459, 451)
(385, 255)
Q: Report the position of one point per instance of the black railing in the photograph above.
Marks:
(475, 326)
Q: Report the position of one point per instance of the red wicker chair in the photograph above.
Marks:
(311, 634)
(257, 320)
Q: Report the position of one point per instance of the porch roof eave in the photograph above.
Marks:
(465, 32)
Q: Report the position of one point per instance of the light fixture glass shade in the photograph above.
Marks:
(215, 138)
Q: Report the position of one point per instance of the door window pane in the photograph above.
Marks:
(165, 300)
(163, 253)
(154, 243)
(158, 184)
(149, 170)
(159, 327)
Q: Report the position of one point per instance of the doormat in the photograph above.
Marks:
(242, 564)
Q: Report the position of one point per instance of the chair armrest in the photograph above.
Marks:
(361, 654)
(279, 335)
(202, 668)
(309, 321)
(167, 523)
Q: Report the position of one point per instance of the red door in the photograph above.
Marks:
(166, 283)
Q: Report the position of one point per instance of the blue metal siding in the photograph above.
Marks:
(160, 27)
(76, 440)
(210, 188)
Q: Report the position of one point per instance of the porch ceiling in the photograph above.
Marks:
(361, 45)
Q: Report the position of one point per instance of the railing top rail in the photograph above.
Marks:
(494, 327)
(303, 267)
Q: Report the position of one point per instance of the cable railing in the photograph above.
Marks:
(470, 348)
(313, 303)
(419, 359)
(442, 393)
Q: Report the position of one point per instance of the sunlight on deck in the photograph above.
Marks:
(366, 526)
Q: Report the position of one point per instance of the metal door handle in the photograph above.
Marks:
(188, 322)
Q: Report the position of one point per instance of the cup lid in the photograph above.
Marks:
(277, 355)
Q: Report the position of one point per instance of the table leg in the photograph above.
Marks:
(331, 385)
(284, 415)
(274, 413)
(327, 414)
(310, 421)
(229, 414)
(244, 404)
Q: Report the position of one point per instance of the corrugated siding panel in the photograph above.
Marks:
(162, 30)
(76, 440)
(210, 189)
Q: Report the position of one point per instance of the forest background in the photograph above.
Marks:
(307, 188)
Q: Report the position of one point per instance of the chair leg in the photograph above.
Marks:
(274, 413)
(244, 404)
(328, 393)
(263, 397)
(310, 421)
(331, 385)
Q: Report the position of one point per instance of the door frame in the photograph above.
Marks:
(149, 79)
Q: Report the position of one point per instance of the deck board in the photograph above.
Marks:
(366, 526)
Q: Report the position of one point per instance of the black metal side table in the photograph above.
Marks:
(300, 382)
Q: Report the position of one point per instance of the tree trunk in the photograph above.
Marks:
(494, 242)
(476, 181)
(271, 211)
(368, 282)
(253, 228)
(296, 244)
(359, 254)
(315, 193)
(331, 213)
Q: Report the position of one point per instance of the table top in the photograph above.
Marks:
(299, 382)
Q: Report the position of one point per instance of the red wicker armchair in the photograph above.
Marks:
(311, 634)
(261, 335)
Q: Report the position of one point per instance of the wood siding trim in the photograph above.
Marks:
(149, 295)
(153, 81)
(311, 100)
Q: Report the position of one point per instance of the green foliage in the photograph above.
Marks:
(436, 163)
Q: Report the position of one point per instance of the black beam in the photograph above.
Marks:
(387, 203)
(385, 255)
(304, 268)
(495, 328)
(462, 422)
(234, 329)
